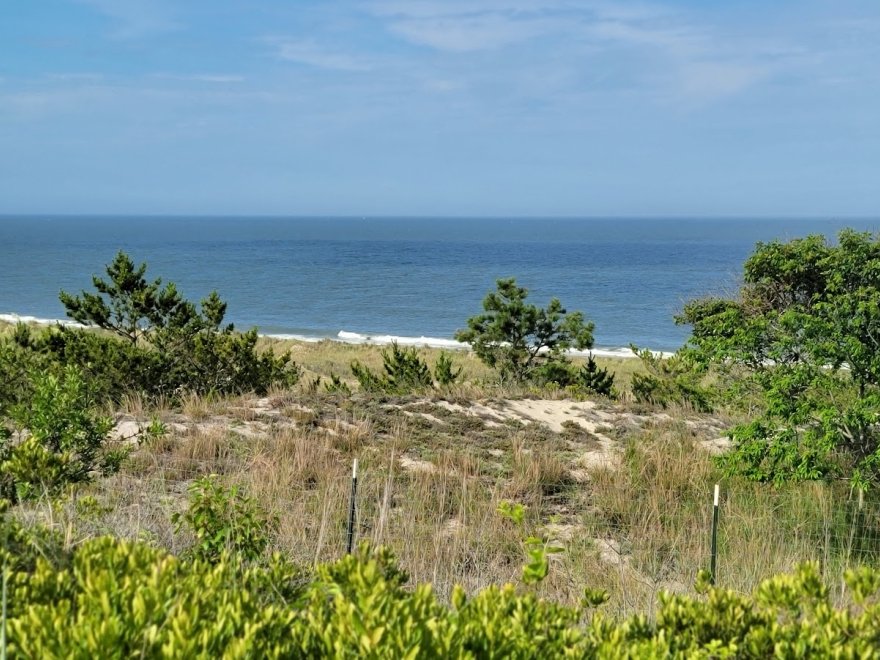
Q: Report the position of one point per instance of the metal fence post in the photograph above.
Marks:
(352, 505)
(714, 551)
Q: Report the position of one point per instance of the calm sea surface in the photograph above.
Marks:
(407, 277)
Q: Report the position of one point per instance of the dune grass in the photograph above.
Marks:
(435, 466)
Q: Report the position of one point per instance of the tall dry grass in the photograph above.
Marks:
(431, 491)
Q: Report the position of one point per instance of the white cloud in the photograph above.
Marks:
(440, 86)
(494, 24)
(652, 47)
(309, 52)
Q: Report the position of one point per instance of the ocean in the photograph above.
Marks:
(416, 279)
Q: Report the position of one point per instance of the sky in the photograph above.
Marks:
(441, 107)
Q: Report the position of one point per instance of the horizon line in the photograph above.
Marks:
(318, 216)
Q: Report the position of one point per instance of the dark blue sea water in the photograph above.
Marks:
(405, 277)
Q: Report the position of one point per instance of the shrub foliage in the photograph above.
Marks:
(224, 521)
(124, 598)
(405, 371)
(670, 380)
(517, 337)
(803, 333)
(60, 440)
(155, 342)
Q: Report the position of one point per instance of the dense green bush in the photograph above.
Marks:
(61, 440)
(559, 373)
(18, 361)
(22, 545)
(224, 521)
(126, 599)
(670, 380)
(803, 333)
(590, 378)
(403, 371)
(112, 367)
(335, 386)
(153, 342)
(122, 598)
(595, 379)
(445, 372)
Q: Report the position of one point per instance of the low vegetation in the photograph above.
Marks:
(172, 487)
(154, 343)
(404, 372)
(131, 599)
(801, 339)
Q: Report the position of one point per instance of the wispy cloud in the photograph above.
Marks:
(311, 53)
(650, 45)
(673, 38)
(719, 79)
(490, 24)
(467, 33)
(219, 78)
(76, 77)
(135, 18)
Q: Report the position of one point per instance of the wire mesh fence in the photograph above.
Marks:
(444, 526)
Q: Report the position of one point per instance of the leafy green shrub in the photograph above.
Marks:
(227, 363)
(802, 332)
(156, 430)
(405, 370)
(126, 599)
(224, 521)
(669, 380)
(366, 378)
(537, 548)
(112, 367)
(17, 362)
(62, 442)
(560, 373)
(22, 545)
(589, 378)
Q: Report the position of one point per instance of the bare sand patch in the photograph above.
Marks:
(126, 430)
(416, 465)
(417, 413)
(606, 458)
(552, 413)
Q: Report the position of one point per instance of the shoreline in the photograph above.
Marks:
(355, 338)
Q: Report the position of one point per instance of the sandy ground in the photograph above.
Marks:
(598, 419)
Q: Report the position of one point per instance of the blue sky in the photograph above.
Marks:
(441, 107)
